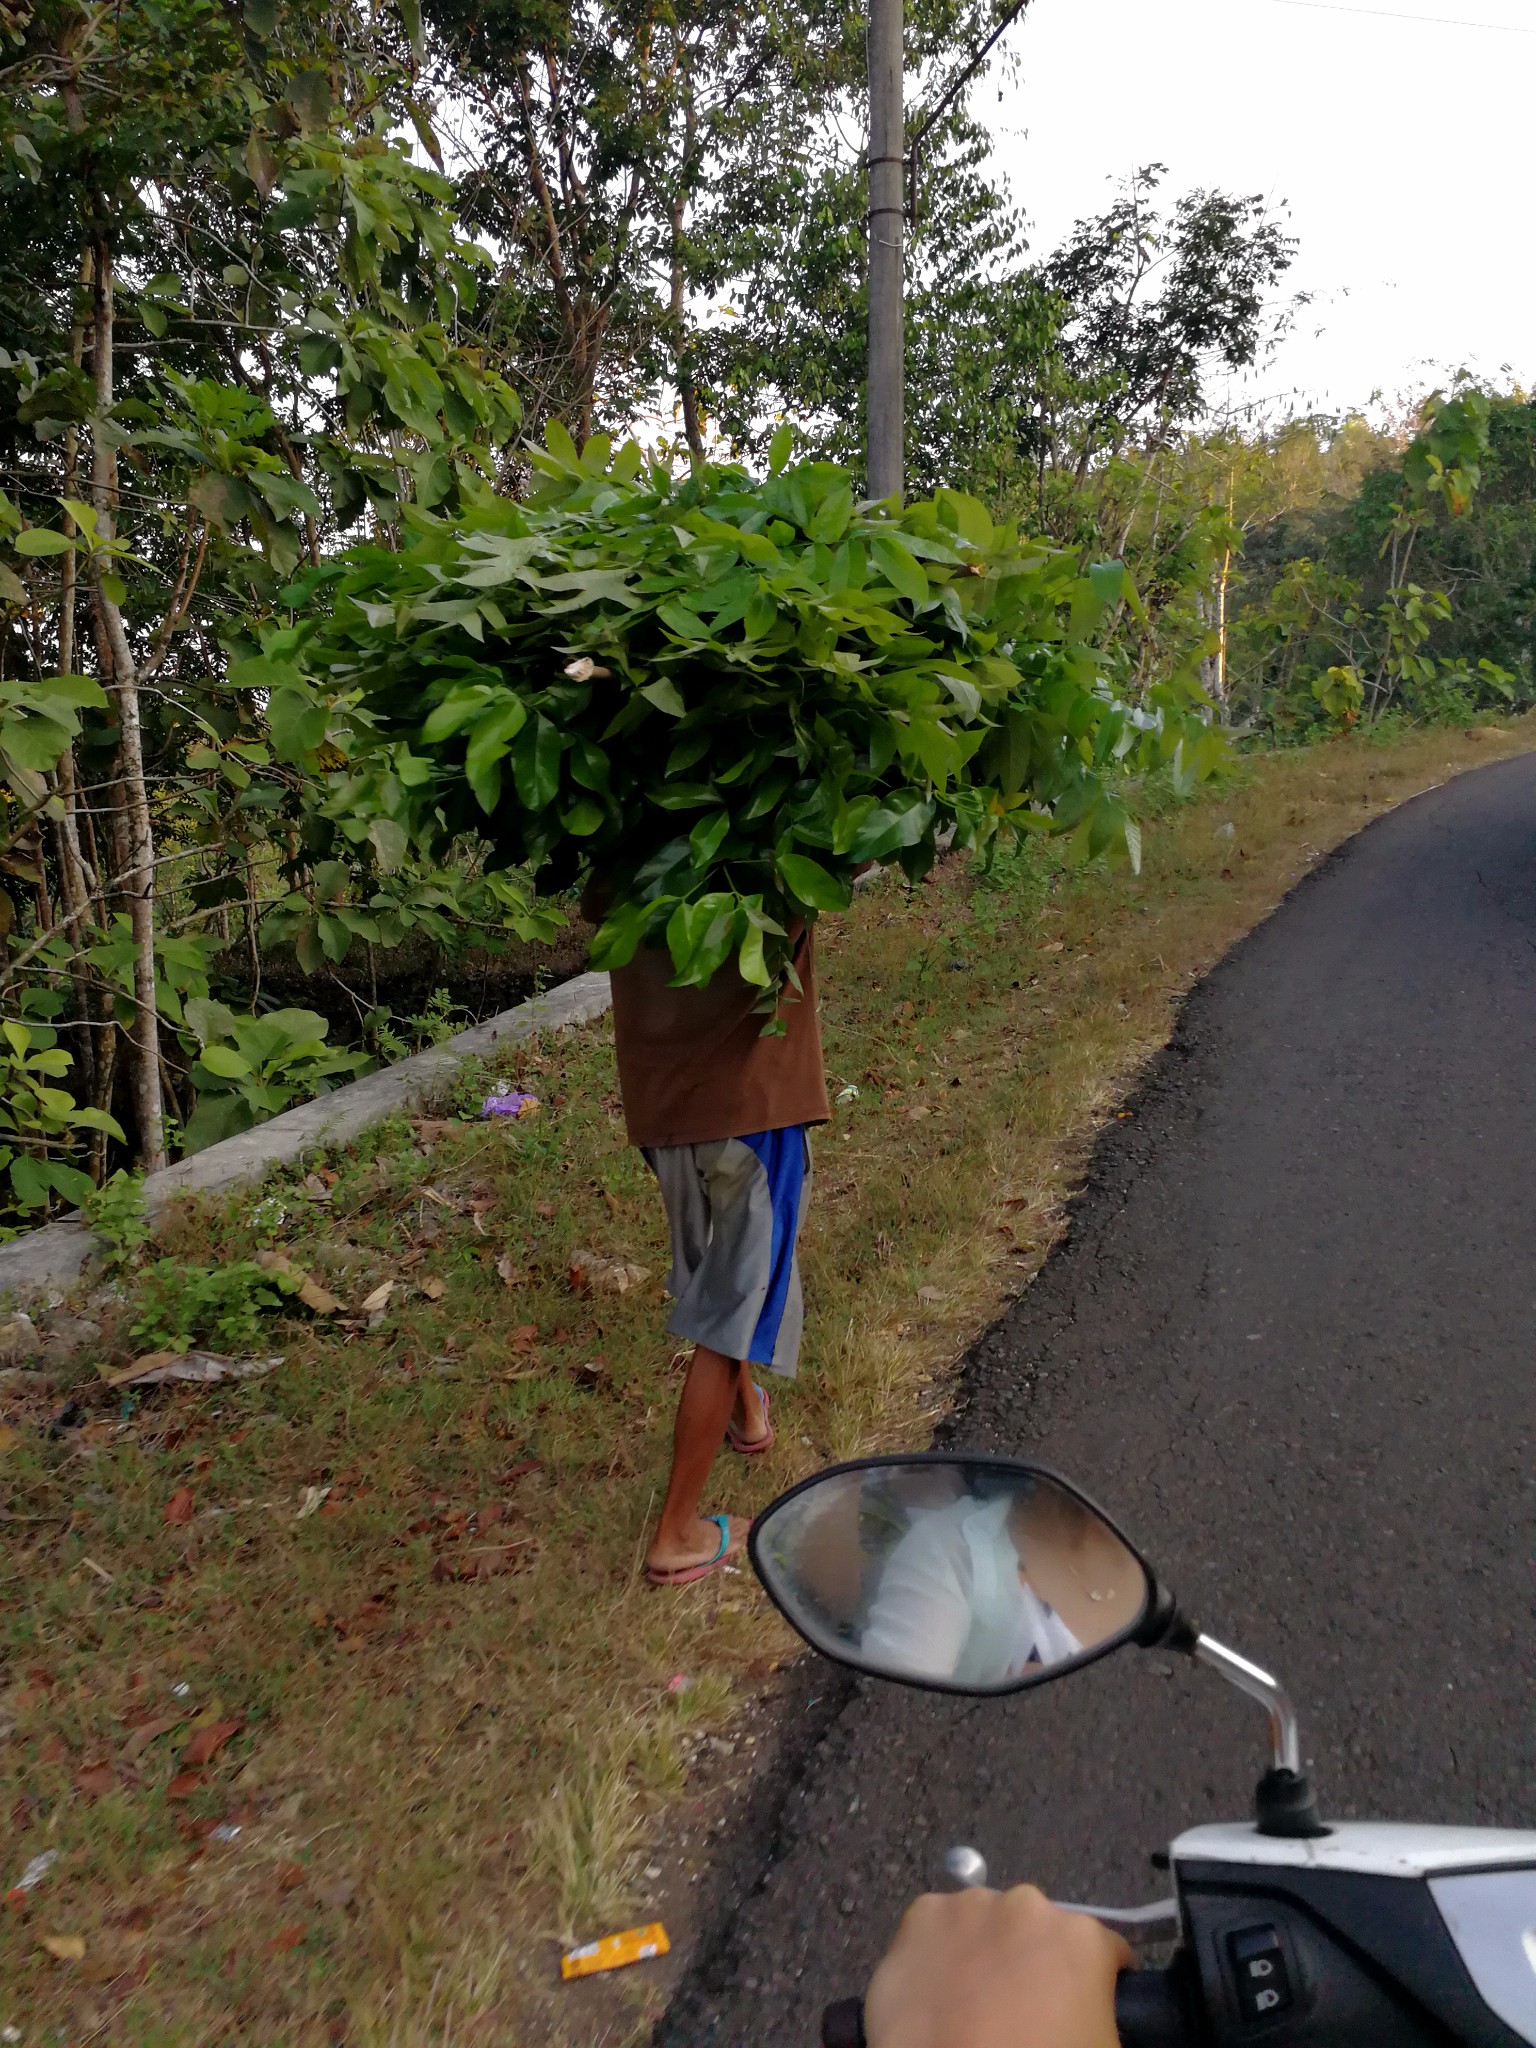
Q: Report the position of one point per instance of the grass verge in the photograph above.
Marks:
(336, 1691)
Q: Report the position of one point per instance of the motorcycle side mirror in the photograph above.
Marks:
(973, 1575)
(985, 1576)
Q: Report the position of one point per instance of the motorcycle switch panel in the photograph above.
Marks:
(1260, 1972)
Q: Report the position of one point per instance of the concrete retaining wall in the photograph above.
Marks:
(52, 1259)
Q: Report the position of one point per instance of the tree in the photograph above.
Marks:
(1151, 304)
(230, 330)
(676, 192)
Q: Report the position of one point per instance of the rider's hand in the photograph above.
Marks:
(983, 1969)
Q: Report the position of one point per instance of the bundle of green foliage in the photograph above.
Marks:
(720, 695)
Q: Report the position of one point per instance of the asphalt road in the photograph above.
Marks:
(1291, 1344)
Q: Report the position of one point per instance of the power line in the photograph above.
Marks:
(1503, 28)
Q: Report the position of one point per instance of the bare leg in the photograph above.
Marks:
(747, 1415)
(710, 1390)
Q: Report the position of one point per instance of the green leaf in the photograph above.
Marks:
(223, 500)
(309, 95)
(307, 948)
(750, 961)
(410, 14)
(664, 694)
(42, 540)
(29, 1182)
(390, 842)
(225, 1062)
(781, 447)
(488, 746)
(901, 821)
(900, 568)
(295, 724)
(536, 764)
(829, 522)
(685, 624)
(583, 818)
(89, 1119)
(707, 837)
(559, 443)
(809, 882)
(968, 517)
(618, 938)
(458, 709)
(261, 17)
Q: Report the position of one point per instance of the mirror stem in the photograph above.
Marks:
(1284, 1733)
(1283, 1800)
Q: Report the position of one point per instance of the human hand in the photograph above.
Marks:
(985, 1969)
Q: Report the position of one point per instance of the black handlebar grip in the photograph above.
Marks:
(1149, 2013)
(842, 2025)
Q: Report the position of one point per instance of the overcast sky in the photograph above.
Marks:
(1403, 149)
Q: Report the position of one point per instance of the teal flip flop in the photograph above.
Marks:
(685, 1575)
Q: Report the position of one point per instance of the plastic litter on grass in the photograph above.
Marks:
(615, 1951)
(512, 1103)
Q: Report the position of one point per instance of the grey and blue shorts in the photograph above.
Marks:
(735, 1207)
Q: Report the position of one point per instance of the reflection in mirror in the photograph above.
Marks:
(953, 1573)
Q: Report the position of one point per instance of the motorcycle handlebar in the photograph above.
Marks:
(1148, 2014)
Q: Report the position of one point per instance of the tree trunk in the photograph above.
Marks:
(1221, 627)
(132, 793)
(687, 390)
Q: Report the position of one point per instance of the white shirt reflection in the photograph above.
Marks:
(952, 1602)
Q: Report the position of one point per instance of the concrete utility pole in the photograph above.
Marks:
(885, 420)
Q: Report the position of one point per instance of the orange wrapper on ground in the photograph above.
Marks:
(634, 1945)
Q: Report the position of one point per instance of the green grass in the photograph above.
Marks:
(439, 1777)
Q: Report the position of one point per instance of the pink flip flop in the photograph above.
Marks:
(758, 1445)
(685, 1575)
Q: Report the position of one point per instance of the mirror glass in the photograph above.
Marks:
(961, 1574)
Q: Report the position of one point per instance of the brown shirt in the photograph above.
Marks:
(694, 1064)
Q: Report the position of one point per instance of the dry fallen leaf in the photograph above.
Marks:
(313, 1498)
(178, 1509)
(930, 1294)
(10, 1438)
(434, 1289)
(488, 1563)
(525, 1336)
(319, 1300)
(95, 1779)
(509, 1272)
(68, 1948)
(156, 1367)
(151, 1731)
(430, 1129)
(374, 1304)
(610, 1276)
(183, 1785)
(207, 1742)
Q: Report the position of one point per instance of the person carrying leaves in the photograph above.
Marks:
(721, 1112)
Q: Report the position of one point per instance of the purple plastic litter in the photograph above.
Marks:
(511, 1104)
